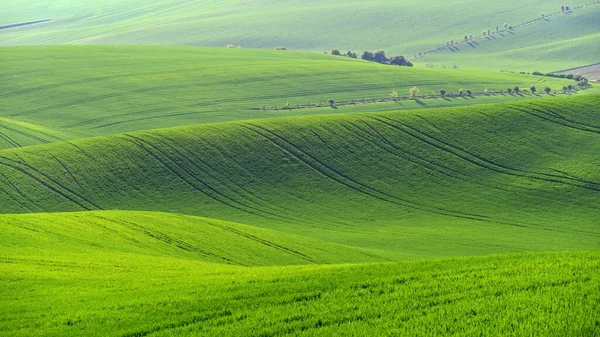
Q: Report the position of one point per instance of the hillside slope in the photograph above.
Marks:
(406, 27)
(85, 91)
(104, 235)
(471, 180)
(550, 294)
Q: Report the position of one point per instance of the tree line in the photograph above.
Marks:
(378, 56)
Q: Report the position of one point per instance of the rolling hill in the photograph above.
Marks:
(400, 27)
(87, 92)
(155, 183)
(474, 180)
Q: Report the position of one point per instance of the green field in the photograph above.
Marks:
(155, 183)
(86, 92)
(399, 27)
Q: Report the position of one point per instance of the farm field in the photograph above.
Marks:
(317, 26)
(213, 168)
(87, 93)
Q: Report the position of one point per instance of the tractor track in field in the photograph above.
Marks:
(49, 183)
(336, 176)
(211, 191)
(23, 24)
(259, 205)
(341, 178)
(265, 242)
(480, 161)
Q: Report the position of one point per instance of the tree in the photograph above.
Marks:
(565, 89)
(394, 95)
(484, 32)
(367, 55)
(505, 25)
(470, 36)
(567, 8)
(497, 29)
(489, 32)
(466, 37)
(331, 103)
(533, 89)
(351, 54)
(517, 90)
(379, 56)
(543, 16)
(562, 8)
(443, 93)
(414, 92)
(547, 90)
(469, 92)
(510, 91)
(400, 61)
(336, 52)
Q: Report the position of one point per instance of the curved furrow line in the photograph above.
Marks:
(550, 111)
(53, 181)
(67, 171)
(247, 200)
(333, 174)
(28, 135)
(481, 182)
(157, 235)
(223, 152)
(559, 120)
(265, 242)
(45, 184)
(330, 173)
(408, 155)
(483, 162)
(9, 140)
(214, 194)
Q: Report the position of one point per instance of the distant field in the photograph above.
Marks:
(99, 90)
(592, 72)
(559, 42)
(406, 27)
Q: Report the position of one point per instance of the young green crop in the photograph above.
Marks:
(428, 183)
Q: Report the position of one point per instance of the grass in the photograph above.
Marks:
(559, 42)
(401, 27)
(84, 91)
(549, 294)
(428, 183)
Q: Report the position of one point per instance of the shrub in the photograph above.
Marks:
(400, 61)
(367, 55)
(281, 48)
(379, 56)
(414, 92)
(570, 76)
(336, 52)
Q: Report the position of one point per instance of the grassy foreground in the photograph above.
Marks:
(544, 294)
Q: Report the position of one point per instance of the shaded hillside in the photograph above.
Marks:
(472, 180)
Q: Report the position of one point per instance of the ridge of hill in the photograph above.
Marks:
(474, 180)
(86, 92)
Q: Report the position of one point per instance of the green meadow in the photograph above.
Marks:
(100, 90)
(155, 183)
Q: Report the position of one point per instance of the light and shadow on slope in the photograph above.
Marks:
(104, 235)
(472, 180)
